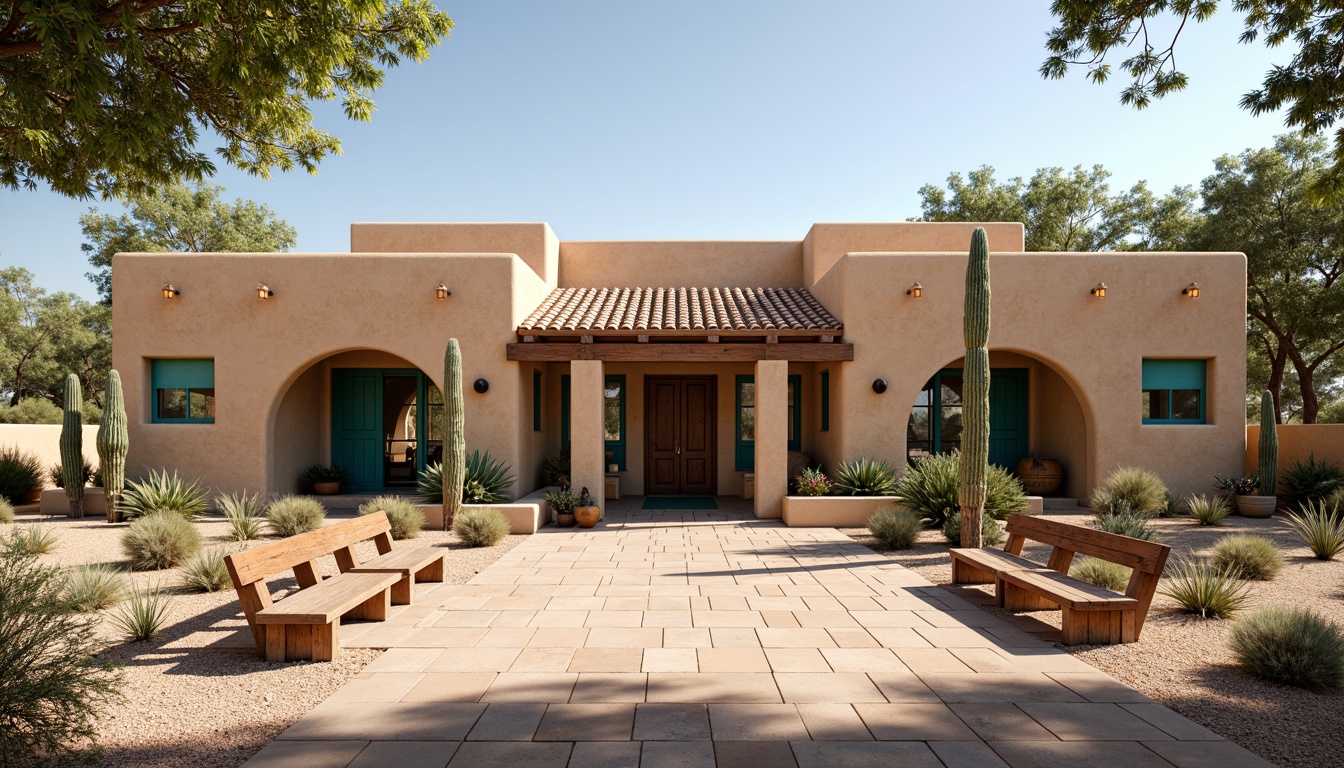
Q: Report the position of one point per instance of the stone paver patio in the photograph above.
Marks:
(712, 638)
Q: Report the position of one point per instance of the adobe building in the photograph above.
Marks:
(686, 367)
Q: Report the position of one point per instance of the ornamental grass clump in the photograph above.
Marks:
(292, 515)
(206, 572)
(142, 616)
(6, 512)
(162, 491)
(30, 540)
(1254, 558)
(1308, 481)
(52, 693)
(1130, 489)
(20, 474)
(929, 489)
(991, 530)
(865, 477)
(405, 519)
(1126, 523)
(1320, 525)
(244, 514)
(1102, 573)
(93, 587)
(1202, 588)
(1174, 505)
(895, 527)
(1208, 510)
(1291, 646)
(481, 527)
(159, 540)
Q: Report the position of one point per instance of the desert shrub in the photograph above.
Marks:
(1291, 646)
(56, 477)
(53, 693)
(1320, 526)
(163, 492)
(1130, 489)
(812, 482)
(1103, 573)
(322, 473)
(481, 527)
(292, 515)
(991, 530)
(206, 572)
(1135, 525)
(20, 474)
(30, 540)
(142, 615)
(405, 519)
(159, 540)
(1209, 510)
(865, 477)
(929, 489)
(1311, 480)
(487, 481)
(895, 527)
(1205, 589)
(6, 512)
(1251, 557)
(92, 587)
(32, 410)
(243, 511)
(1174, 505)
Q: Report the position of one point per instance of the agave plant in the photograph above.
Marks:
(930, 490)
(244, 512)
(1320, 525)
(488, 481)
(163, 491)
(865, 477)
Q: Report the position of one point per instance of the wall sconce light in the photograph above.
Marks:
(442, 292)
(1191, 290)
(481, 386)
(264, 292)
(879, 385)
(169, 292)
(1099, 290)
(915, 291)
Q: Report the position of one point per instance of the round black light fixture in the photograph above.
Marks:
(481, 386)
(879, 385)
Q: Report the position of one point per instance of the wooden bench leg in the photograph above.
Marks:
(1011, 597)
(302, 642)
(275, 641)
(401, 591)
(326, 641)
(1073, 627)
(376, 608)
(431, 572)
(965, 573)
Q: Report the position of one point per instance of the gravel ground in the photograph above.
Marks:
(1184, 661)
(199, 695)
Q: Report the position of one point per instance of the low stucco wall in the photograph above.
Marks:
(833, 511)
(44, 441)
(1296, 443)
(525, 515)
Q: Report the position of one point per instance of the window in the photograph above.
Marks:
(536, 401)
(825, 401)
(613, 419)
(746, 420)
(1174, 391)
(184, 391)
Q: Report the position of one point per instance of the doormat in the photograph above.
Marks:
(679, 502)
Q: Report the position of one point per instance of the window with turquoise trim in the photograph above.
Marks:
(1175, 391)
(745, 389)
(183, 391)
(613, 419)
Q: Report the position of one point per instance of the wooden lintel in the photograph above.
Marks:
(652, 353)
(586, 339)
(712, 339)
(772, 338)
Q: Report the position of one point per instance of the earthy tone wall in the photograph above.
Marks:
(1296, 443)
(720, 263)
(44, 441)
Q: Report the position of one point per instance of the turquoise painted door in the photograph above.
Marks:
(356, 428)
(935, 419)
(1007, 416)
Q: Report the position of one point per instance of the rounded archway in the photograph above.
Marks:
(1036, 409)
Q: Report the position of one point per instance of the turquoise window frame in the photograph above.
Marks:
(1170, 375)
(180, 373)
(744, 452)
(615, 447)
(825, 401)
(536, 401)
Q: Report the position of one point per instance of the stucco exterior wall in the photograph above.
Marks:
(825, 244)
(44, 441)
(722, 263)
(1297, 442)
(533, 242)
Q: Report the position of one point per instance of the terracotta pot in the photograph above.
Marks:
(565, 519)
(1256, 506)
(326, 489)
(1040, 477)
(588, 516)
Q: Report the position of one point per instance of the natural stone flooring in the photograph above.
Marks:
(712, 638)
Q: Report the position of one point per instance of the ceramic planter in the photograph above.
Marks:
(326, 489)
(1040, 477)
(587, 516)
(565, 519)
(1255, 506)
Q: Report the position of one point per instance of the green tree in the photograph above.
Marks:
(180, 218)
(1063, 211)
(112, 96)
(1310, 86)
(45, 336)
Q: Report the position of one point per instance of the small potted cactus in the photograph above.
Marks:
(326, 480)
(586, 511)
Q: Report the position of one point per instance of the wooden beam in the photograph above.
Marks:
(712, 339)
(643, 338)
(650, 353)
(586, 339)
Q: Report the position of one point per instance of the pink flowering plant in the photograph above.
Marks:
(812, 482)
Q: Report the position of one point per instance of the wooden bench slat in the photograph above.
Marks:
(327, 601)
(1070, 592)
(412, 559)
(1146, 556)
(993, 560)
(260, 562)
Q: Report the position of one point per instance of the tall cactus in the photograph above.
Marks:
(72, 446)
(974, 470)
(113, 443)
(455, 437)
(1269, 446)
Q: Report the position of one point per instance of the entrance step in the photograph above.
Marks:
(1062, 504)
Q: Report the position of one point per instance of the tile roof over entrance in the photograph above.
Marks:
(709, 310)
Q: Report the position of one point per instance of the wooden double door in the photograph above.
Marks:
(680, 435)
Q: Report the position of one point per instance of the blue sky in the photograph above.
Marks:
(716, 120)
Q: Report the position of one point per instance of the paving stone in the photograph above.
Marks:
(466, 619)
(732, 660)
(833, 722)
(404, 660)
(475, 660)
(610, 618)
(604, 754)
(1092, 722)
(734, 637)
(913, 722)
(425, 721)
(1171, 723)
(306, 754)
(550, 618)
(1093, 754)
(863, 754)
(966, 754)
(558, 637)
(670, 660)
(607, 660)
(489, 754)
(450, 686)
(508, 721)
(406, 754)
(796, 660)
(754, 754)
(784, 637)
(863, 660)
(1011, 688)
(543, 660)
(609, 687)
(544, 687)
(756, 722)
(833, 687)
(984, 660)
(1001, 722)
(707, 688)
(378, 687)
(625, 637)
(506, 637)
(671, 722)
(671, 754)
(1096, 686)
(586, 722)
(898, 637)
(688, 637)
(667, 619)
(1203, 754)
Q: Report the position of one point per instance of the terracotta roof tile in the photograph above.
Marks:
(604, 310)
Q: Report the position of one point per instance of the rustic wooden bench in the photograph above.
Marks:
(1091, 614)
(306, 625)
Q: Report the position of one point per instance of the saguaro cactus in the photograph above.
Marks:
(72, 446)
(113, 443)
(1269, 446)
(455, 437)
(974, 471)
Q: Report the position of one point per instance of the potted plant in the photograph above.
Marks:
(1243, 491)
(587, 512)
(812, 482)
(326, 480)
(562, 503)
